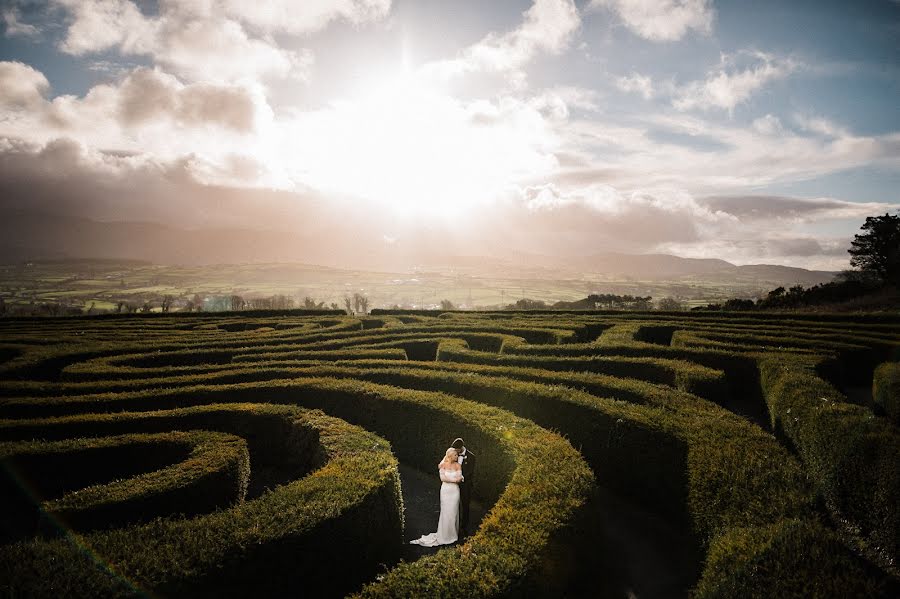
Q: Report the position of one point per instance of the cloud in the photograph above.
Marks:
(150, 95)
(640, 84)
(220, 50)
(725, 87)
(304, 17)
(548, 26)
(707, 157)
(145, 97)
(821, 126)
(21, 86)
(66, 177)
(221, 132)
(662, 20)
(557, 102)
(639, 220)
(99, 25)
(197, 40)
(751, 208)
(768, 125)
(14, 27)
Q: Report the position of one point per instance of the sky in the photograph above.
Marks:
(755, 132)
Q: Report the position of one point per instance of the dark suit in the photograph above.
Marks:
(467, 462)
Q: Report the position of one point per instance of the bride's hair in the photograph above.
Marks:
(450, 460)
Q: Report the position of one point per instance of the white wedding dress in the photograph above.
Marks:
(448, 522)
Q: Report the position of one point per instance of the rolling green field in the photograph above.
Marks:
(97, 286)
(620, 454)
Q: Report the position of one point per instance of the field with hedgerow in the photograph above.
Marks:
(277, 453)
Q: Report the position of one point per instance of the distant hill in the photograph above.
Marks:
(28, 236)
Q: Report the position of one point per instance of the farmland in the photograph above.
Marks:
(263, 453)
(98, 286)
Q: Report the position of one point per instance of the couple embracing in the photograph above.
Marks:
(456, 471)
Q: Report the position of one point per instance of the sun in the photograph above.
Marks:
(405, 144)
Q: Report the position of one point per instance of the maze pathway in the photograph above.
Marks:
(621, 454)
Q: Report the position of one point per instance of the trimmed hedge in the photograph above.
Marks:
(852, 455)
(886, 390)
(710, 481)
(213, 474)
(344, 519)
(701, 380)
(803, 557)
(535, 500)
(751, 512)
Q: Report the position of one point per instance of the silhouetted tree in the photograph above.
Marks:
(739, 304)
(447, 305)
(527, 304)
(360, 303)
(237, 303)
(348, 304)
(878, 249)
(669, 304)
(167, 303)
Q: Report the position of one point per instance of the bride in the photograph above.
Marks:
(448, 522)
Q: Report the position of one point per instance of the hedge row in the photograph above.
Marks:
(732, 480)
(335, 526)
(886, 390)
(677, 453)
(150, 364)
(852, 455)
(44, 358)
(213, 472)
(535, 499)
(687, 376)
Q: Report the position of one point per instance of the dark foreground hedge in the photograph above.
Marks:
(725, 479)
(852, 454)
(886, 390)
(212, 471)
(334, 526)
(536, 500)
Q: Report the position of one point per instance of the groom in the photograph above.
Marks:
(467, 462)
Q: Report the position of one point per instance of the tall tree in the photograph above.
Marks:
(877, 250)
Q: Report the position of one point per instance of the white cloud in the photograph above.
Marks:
(304, 17)
(220, 50)
(149, 113)
(750, 208)
(725, 87)
(636, 83)
(631, 156)
(821, 126)
(548, 26)
(208, 40)
(148, 95)
(662, 20)
(99, 25)
(768, 125)
(557, 102)
(14, 27)
(21, 86)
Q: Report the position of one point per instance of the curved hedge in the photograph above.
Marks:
(348, 507)
(625, 388)
(851, 454)
(214, 473)
(534, 500)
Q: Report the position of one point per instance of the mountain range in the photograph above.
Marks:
(35, 236)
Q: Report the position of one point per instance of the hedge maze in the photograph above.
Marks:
(660, 454)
